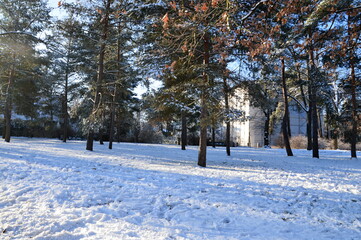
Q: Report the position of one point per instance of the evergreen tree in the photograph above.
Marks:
(202, 32)
(65, 53)
(20, 23)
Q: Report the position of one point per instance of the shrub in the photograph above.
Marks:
(278, 142)
(148, 134)
(299, 142)
(344, 146)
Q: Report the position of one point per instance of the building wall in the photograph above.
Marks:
(251, 131)
(248, 132)
(256, 124)
(298, 121)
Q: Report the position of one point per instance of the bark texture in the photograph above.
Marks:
(285, 120)
(100, 75)
(9, 104)
(184, 131)
(202, 153)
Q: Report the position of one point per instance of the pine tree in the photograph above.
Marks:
(21, 21)
(269, 42)
(202, 32)
(65, 53)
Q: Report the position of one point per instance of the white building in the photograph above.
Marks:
(251, 131)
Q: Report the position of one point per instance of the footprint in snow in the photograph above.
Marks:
(226, 220)
(133, 234)
(135, 220)
(23, 191)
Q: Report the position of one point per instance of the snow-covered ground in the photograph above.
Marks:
(52, 190)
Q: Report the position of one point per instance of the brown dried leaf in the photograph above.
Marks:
(165, 20)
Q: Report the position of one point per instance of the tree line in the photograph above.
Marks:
(80, 70)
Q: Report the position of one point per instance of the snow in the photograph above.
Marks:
(55, 190)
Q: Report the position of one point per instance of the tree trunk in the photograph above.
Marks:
(100, 75)
(327, 125)
(320, 128)
(184, 130)
(101, 129)
(213, 137)
(266, 129)
(308, 112)
(137, 128)
(335, 142)
(101, 136)
(315, 151)
(65, 125)
(354, 133)
(202, 153)
(119, 123)
(354, 110)
(8, 105)
(4, 128)
(312, 75)
(309, 130)
(286, 114)
(312, 78)
(112, 108)
(228, 138)
(112, 115)
(111, 130)
(314, 122)
(228, 123)
(90, 139)
(309, 119)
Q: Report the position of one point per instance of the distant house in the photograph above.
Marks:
(251, 131)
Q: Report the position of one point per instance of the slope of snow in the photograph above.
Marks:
(52, 190)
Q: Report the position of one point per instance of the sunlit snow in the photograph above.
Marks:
(55, 190)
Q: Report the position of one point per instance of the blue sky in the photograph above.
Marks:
(56, 12)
